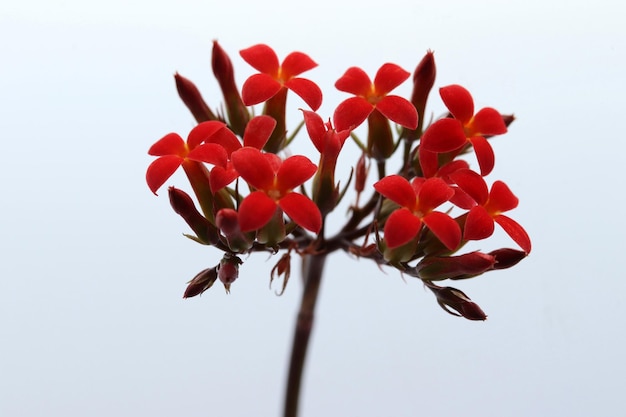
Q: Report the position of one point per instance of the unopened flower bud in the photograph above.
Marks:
(182, 204)
(457, 300)
(380, 143)
(506, 258)
(192, 98)
(435, 268)
(360, 175)
(228, 270)
(227, 220)
(238, 115)
(423, 81)
(201, 282)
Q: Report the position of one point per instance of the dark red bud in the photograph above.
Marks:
(455, 267)
(228, 270)
(506, 258)
(201, 282)
(423, 81)
(360, 175)
(192, 98)
(182, 204)
(238, 115)
(458, 301)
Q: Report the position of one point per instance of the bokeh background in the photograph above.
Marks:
(93, 266)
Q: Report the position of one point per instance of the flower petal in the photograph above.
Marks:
(445, 228)
(516, 231)
(399, 110)
(211, 153)
(397, 189)
(302, 211)
(433, 193)
(220, 177)
(388, 77)
(487, 122)
(255, 211)
(307, 90)
(315, 128)
(478, 225)
(258, 131)
(472, 183)
(501, 199)
(259, 88)
(484, 154)
(160, 170)
(253, 167)
(459, 101)
(351, 113)
(354, 81)
(203, 132)
(401, 226)
(170, 144)
(262, 58)
(444, 135)
(293, 172)
(295, 64)
(429, 162)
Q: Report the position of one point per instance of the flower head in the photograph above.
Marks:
(274, 76)
(417, 201)
(274, 181)
(373, 95)
(448, 135)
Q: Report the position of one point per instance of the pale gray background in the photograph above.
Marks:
(93, 266)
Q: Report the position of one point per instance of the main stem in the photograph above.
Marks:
(313, 268)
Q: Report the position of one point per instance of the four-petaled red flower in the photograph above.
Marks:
(274, 76)
(449, 135)
(369, 96)
(173, 152)
(417, 200)
(490, 206)
(274, 180)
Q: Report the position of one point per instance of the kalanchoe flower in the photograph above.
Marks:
(490, 206)
(373, 95)
(457, 300)
(417, 201)
(173, 151)
(452, 135)
(274, 181)
(274, 76)
(189, 93)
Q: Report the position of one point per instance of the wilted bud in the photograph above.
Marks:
(435, 268)
(423, 81)
(282, 267)
(457, 300)
(380, 143)
(192, 98)
(506, 258)
(228, 270)
(201, 282)
(182, 204)
(227, 220)
(238, 115)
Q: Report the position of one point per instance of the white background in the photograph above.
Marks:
(93, 266)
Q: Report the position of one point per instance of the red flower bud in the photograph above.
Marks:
(201, 282)
(455, 267)
(192, 98)
(227, 221)
(238, 115)
(457, 300)
(423, 81)
(228, 270)
(182, 204)
(506, 258)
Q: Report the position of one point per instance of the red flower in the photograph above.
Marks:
(172, 151)
(274, 181)
(490, 206)
(448, 135)
(274, 76)
(418, 199)
(369, 96)
(258, 131)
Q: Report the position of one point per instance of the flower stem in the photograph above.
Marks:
(313, 267)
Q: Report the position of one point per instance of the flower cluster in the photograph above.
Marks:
(254, 196)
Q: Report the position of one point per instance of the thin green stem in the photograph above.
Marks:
(313, 268)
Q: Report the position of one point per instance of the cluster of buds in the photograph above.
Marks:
(253, 197)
